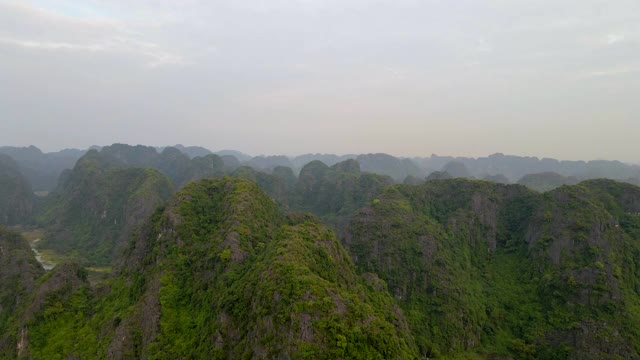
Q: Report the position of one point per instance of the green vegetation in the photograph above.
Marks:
(503, 272)
(546, 181)
(445, 268)
(97, 208)
(16, 196)
(387, 165)
(18, 273)
(335, 193)
(219, 272)
(171, 162)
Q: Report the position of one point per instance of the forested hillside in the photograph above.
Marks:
(250, 266)
(16, 196)
(494, 269)
(217, 273)
(96, 208)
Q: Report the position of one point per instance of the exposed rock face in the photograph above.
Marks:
(60, 286)
(457, 253)
(219, 272)
(16, 196)
(420, 240)
(19, 272)
(444, 268)
(61, 282)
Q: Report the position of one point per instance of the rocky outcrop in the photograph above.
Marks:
(19, 272)
(220, 272)
(473, 259)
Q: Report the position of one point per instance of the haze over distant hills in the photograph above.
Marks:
(43, 169)
(319, 180)
(371, 256)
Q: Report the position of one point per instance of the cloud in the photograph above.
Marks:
(612, 71)
(277, 65)
(33, 28)
(50, 45)
(615, 38)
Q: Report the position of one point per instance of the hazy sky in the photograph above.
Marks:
(407, 77)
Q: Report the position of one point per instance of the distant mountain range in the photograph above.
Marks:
(221, 256)
(42, 170)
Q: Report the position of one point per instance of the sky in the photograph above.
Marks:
(547, 78)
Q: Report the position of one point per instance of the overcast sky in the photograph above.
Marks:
(407, 77)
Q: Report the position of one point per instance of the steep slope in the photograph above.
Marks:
(58, 301)
(42, 169)
(584, 242)
(220, 273)
(501, 271)
(19, 271)
(97, 208)
(280, 184)
(171, 162)
(16, 196)
(337, 192)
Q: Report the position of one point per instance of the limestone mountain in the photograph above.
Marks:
(218, 273)
(515, 167)
(280, 184)
(19, 272)
(337, 192)
(16, 196)
(42, 169)
(230, 162)
(456, 169)
(171, 162)
(500, 271)
(385, 164)
(546, 181)
(96, 208)
(268, 163)
(242, 157)
(329, 159)
(331, 193)
(193, 151)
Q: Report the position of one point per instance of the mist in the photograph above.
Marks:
(410, 78)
